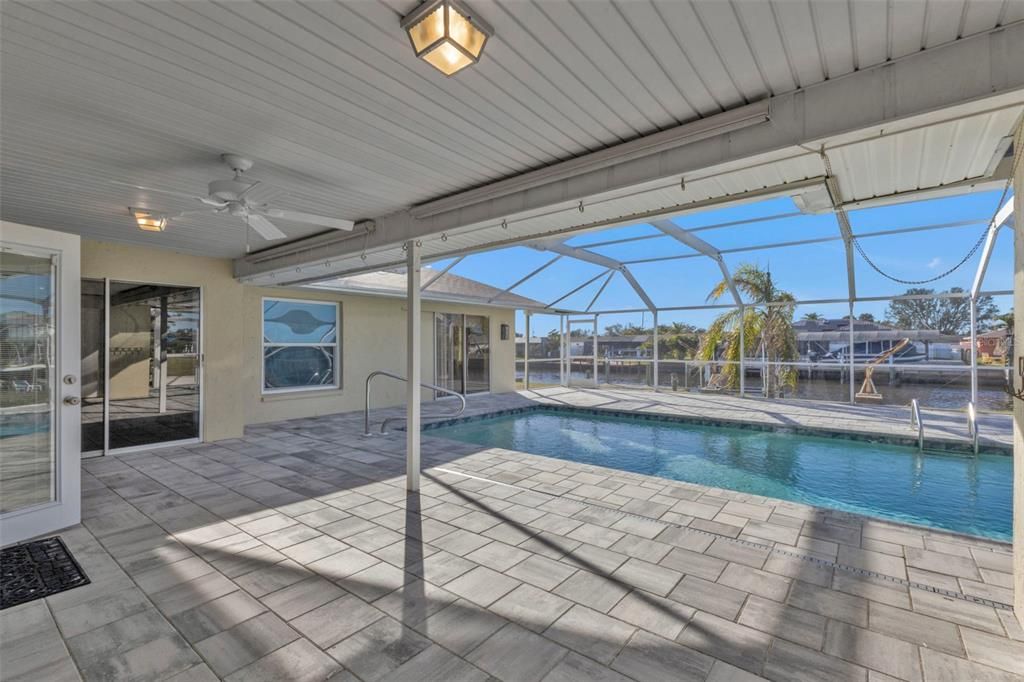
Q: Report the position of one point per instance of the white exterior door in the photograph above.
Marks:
(40, 360)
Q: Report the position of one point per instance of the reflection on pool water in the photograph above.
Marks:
(961, 493)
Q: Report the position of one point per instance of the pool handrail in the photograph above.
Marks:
(972, 425)
(917, 422)
(391, 375)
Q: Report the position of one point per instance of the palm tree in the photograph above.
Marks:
(767, 330)
(812, 316)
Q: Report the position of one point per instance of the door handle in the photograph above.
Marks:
(72, 400)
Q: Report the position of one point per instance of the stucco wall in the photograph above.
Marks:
(1018, 406)
(372, 333)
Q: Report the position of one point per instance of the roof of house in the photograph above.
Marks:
(444, 287)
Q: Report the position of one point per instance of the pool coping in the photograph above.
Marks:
(944, 445)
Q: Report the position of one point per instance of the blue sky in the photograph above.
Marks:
(809, 272)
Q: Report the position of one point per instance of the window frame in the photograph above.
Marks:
(336, 384)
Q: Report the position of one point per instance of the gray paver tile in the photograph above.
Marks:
(941, 667)
(541, 571)
(597, 592)
(294, 600)
(516, 654)
(299, 661)
(328, 624)
(219, 614)
(997, 652)
(827, 602)
(971, 614)
(533, 608)
(788, 662)
(461, 626)
(916, 628)
(755, 581)
(482, 585)
(574, 668)
(242, 644)
(663, 617)
(887, 654)
(786, 622)
(437, 665)
(708, 596)
(647, 657)
(377, 650)
(725, 640)
(590, 633)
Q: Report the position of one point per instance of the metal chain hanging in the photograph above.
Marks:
(963, 261)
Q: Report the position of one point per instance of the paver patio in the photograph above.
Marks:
(296, 553)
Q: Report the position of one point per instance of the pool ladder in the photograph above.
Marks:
(384, 424)
(917, 423)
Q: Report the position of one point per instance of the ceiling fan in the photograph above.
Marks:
(231, 197)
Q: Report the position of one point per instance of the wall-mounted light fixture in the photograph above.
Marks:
(446, 35)
(149, 221)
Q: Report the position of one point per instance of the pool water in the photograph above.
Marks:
(960, 493)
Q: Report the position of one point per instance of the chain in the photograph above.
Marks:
(970, 254)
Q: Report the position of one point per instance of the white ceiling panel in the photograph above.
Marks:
(340, 118)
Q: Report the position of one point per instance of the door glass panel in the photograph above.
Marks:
(94, 354)
(27, 348)
(154, 364)
(448, 351)
(478, 354)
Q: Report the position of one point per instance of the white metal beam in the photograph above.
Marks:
(522, 280)
(698, 244)
(1002, 216)
(982, 66)
(597, 259)
(441, 273)
(845, 230)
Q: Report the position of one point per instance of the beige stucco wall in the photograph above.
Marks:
(373, 337)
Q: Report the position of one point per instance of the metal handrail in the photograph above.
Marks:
(917, 423)
(383, 426)
(972, 425)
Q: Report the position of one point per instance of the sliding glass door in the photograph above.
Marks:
(141, 360)
(462, 352)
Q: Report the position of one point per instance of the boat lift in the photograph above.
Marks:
(867, 389)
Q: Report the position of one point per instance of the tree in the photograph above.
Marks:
(950, 316)
(813, 316)
(866, 317)
(676, 341)
(767, 330)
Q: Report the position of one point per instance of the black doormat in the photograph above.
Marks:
(37, 569)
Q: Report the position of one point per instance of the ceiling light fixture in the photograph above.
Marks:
(446, 35)
(149, 221)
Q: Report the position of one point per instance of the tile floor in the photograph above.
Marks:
(296, 554)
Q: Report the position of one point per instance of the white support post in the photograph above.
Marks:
(594, 352)
(413, 379)
(853, 387)
(561, 351)
(743, 352)
(974, 351)
(655, 338)
(526, 355)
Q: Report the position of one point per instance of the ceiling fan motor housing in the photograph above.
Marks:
(228, 190)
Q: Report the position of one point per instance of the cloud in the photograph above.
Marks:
(934, 263)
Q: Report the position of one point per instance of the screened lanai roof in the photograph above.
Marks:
(819, 256)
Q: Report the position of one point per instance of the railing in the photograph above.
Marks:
(972, 425)
(917, 423)
(384, 424)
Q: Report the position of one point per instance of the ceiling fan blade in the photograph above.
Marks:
(299, 217)
(264, 227)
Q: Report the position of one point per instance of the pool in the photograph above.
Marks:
(955, 492)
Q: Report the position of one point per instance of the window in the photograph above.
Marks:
(300, 345)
